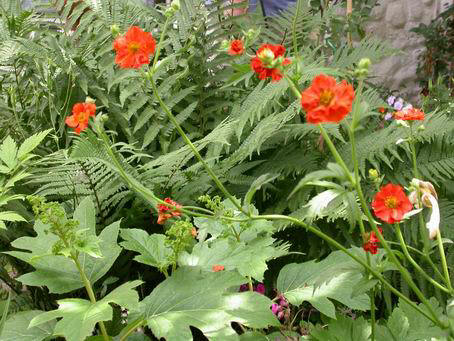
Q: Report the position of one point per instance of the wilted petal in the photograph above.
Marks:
(433, 224)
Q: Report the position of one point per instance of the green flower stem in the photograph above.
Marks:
(91, 295)
(336, 154)
(293, 86)
(426, 258)
(194, 149)
(372, 314)
(295, 19)
(412, 261)
(357, 259)
(443, 262)
(160, 43)
(131, 329)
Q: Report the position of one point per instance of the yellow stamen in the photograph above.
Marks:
(326, 97)
(391, 202)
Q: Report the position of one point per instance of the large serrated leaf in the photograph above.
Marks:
(16, 328)
(59, 273)
(31, 143)
(209, 301)
(79, 317)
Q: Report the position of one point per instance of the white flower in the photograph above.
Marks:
(429, 198)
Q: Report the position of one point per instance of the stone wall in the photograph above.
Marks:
(392, 20)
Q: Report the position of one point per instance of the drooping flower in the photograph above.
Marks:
(390, 204)
(409, 114)
(281, 309)
(80, 117)
(165, 212)
(236, 48)
(326, 101)
(371, 242)
(269, 58)
(217, 268)
(429, 198)
(134, 48)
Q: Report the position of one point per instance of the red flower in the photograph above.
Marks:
(166, 212)
(371, 245)
(381, 110)
(391, 204)
(268, 60)
(410, 114)
(134, 48)
(80, 116)
(236, 48)
(326, 101)
(217, 268)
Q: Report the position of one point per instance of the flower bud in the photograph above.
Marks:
(251, 33)
(373, 174)
(364, 63)
(421, 128)
(104, 118)
(169, 12)
(225, 44)
(266, 56)
(115, 30)
(89, 100)
(175, 5)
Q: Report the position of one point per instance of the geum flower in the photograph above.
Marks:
(269, 58)
(429, 198)
(133, 49)
(326, 101)
(236, 48)
(391, 204)
(80, 117)
(371, 242)
(166, 212)
(409, 114)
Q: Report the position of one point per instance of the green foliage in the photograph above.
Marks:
(17, 327)
(59, 273)
(207, 302)
(343, 328)
(78, 317)
(335, 277)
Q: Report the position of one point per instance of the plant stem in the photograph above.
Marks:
(91, 295)
(131, 329)
(412, 261)
(295, 19)
(443, 262)
(372, 314)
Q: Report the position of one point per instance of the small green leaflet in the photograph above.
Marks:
(209, 301)
(152, 248)
(343, 329)
(79, 317)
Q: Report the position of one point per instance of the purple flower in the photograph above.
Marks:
(399, 104)
(244, 287)
(260, 288)
(275, 308)
(391, 100)
(388, 116)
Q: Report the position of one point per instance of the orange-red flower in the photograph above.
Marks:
(371, 245)
(326, 101)
(391, 204)
(134, 48)
(81, 114)
(166, 212)
(381, 110)
(236, 48)
(268, 60)
(217, 268)
(410, 114)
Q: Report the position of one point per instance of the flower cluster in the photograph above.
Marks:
(133, 49)
(409, 114)
(268, 61)
(371, 242)
(81, 114)
(326, 101)
(167, 212)
(281, 309)
(260, 288)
